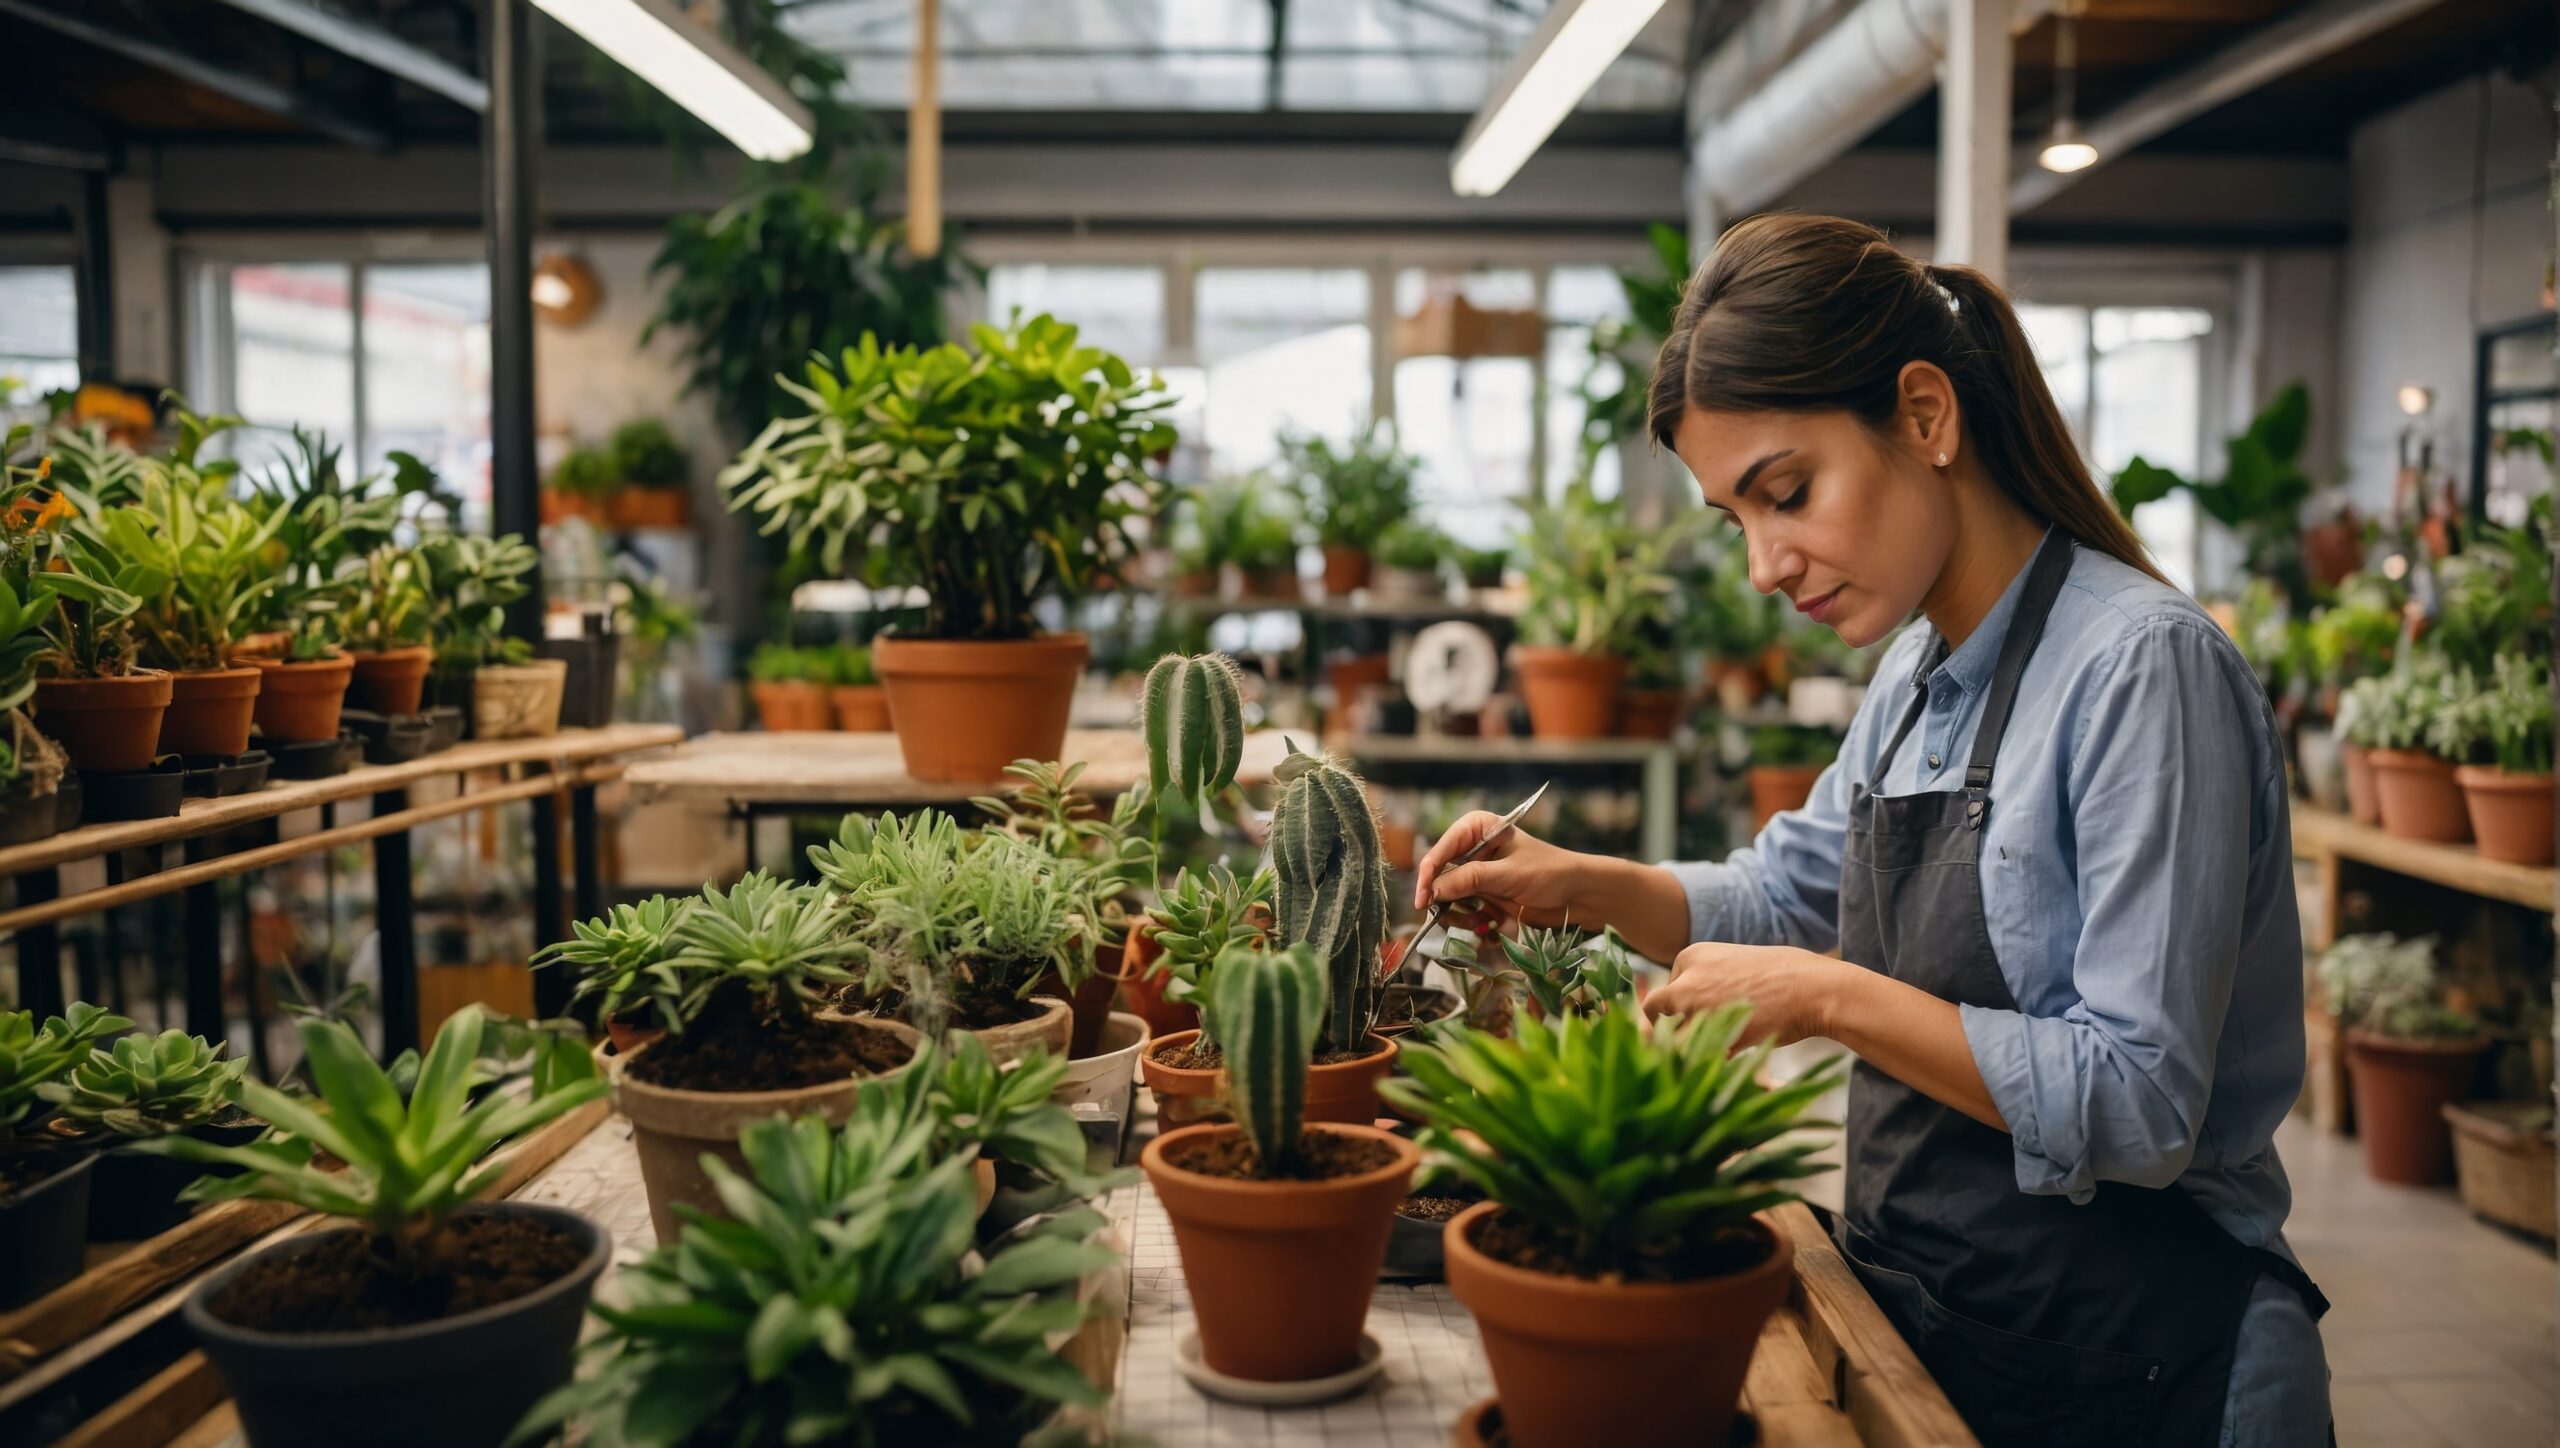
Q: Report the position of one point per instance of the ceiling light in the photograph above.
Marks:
(2065, 149)
(2415, 400)
(1574, 43)
(694, 68)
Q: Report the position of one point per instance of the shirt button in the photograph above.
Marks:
(1933, 761)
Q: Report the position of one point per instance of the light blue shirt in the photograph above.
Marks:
(2137, 877)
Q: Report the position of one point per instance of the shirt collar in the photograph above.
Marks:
(1971, 664)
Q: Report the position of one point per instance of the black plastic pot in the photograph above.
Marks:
(444, 728)
(134, 1194)
(145, 794)
(586, 698)
(25, 816)
(44, 1229)
(310, 759)
(462, 1381)
(243, 773)
(388, 738)
(202, 780)
(451, 689)
(70, 803)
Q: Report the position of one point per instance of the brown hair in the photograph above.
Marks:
(1814, 314)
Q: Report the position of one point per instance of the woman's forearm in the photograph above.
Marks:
(1644, 903)
(1908, 1034)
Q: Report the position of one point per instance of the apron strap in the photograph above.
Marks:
(1910, 716)
(2026, 627)
(2285, 1270)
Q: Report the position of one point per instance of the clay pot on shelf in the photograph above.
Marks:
(2364, 798)
(2511, 814)
(1776, 788)
(1346, 1091)
(1346, 570)
(2420, 800)
(517, 701)
(2401, 1090)
(1577, 1361)
(560, 507)
(299, 703)
(390, 681)
(1571, 695)
(108, 725)
(1651, 713)
(210, 711)
(1280, 1272)
(1348, 676)
(964, 710)
(632, 508)
(1050, 1030)
(791, 706)
(861, 708)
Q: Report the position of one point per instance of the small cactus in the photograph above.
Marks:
(1194, 725)
(1331, 886)
(1270, 1004)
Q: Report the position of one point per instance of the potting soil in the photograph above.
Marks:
(1322, 1156)
(341, 1286)
(1519, 1241)
(1210, 1056)
(741, 1052)
(1433, 1209)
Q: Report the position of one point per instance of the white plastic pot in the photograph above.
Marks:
(1108, 1078)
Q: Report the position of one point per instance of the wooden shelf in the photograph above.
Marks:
(834, 769)
(1414, 749)
(2322, 835)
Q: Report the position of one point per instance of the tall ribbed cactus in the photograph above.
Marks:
(1194, 724)
(1331, 887)
(1269, 1004)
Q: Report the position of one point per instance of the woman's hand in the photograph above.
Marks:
(1791, 991)
(1524, 880)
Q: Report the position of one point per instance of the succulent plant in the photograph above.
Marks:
(621, 958)
(33, 1057)
(147, 1085)
(948, 915)
(2388, 986)
(1202, 917)
(1194, 721)
(1330, 886)
(1270, 1004)
(1568, 973)
(784, 944)
(1097, 859)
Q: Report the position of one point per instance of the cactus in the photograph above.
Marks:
(1194, 725)
(1331, 887)
(1270, 1003)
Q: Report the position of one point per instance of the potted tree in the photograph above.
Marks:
(992, 481)
(653, 470)
(470, 581)
(2389, 716)
(1619, 1273)
(2409, 1054)
(1787, 760)
(789, 687)
(2501, 728)
(1351, 495)
(1598, 586)
(1282, 1222)
(44, 1182)
(135, 1089)
(374, 1322)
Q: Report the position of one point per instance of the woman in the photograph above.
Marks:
(2053, 859)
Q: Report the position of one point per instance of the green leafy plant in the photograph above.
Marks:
(1271, 1004)
(387, 606)
(1597, 581)
(1633, 1151)
(208, 556)
(851, 664)
(33, 1058)
(1250, 522)
(1204, 915)
(585, 472)
(1330, 886)
(2503, 720)
(646, 454)
(1351, 494)
(959, 922)
(2386, 985)
(470, 581)
(1412, 544)
(993, 480)
(773, 663)
(1792, 746)
(1481, 567)
(1617, 384)
(2394, 710)
(1567, 973)
(406, 1166)
(1097, 860)
(2259, 496)
(621, 960)
(784, 946)
(50, 548)
(2496, 594)
(2358, 635)
(146, 1086)
(321, 519)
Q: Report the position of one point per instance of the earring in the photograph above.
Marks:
(1942, 460)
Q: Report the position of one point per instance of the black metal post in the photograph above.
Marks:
(550, 987)
(583, 838)
(203, 929)
(40, 948)
(395, 919)
(510, 142)
(96, 310)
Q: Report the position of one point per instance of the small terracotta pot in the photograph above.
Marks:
(1651, 713)
(1346, 570)
(1779, 787)
(559, 507)
(518, 701)
(1279, 584)
(1578, 1362)
(631, 507)
(2364, 798)
(791, 706)
(671, 1129)
(2420, 800)
(1346, 1091)
(1571, 695)
(1400, 844)
(1279, 1271)
(965, 710)
(1050, 1030)
(210, 711)
(2401, 1090)
(1349, 676)
(105, 724)
(299, 703)
(1736, 683)
(861, 708)
(630, 1036)
(1143, 987)
(2511, 814)
(391, 681)
(1196, 583)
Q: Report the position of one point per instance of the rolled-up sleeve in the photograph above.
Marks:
(2115, 1087)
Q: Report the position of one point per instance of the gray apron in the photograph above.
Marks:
(2047, 1324)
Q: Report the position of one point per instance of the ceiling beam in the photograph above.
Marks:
(52, 138)
(2250, 63)
(370, 43)
(249, 90)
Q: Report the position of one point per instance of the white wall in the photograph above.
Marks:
(2427, 184)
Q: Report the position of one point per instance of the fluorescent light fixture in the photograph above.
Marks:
(695, 68)
(1545, 81)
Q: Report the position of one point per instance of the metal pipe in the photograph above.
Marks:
(511, 137)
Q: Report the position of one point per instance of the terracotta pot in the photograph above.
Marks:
(210, 711)
(1399, 843)
(1571, 695)
(1279, 1271)
(518, 701)
(2364, 799)
(631, 508)
(1651, 713)
(1088, 1005)
(1641, 1363)
(1390, 584)
(1196, 583)
(1778, 787)
(672, 1129)
(1280, 583)
(860, 708)
(105, 724)
(963, 711)
(1049, 1030)
(2511, 814)
(391, 681)
(1346, 570)
(2401, 1090)
(1346, 1091)
(1349, 676)
(299, 703)
(791, 706)
(1736, 683)
(559, 507)
(1143, 988)
(628, 1037)
(2420, 800)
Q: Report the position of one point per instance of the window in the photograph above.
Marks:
(1117, 308)
(1280, 348)
(1579, 298)
(2131, 382)
(1472, 421)
(39, 332)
